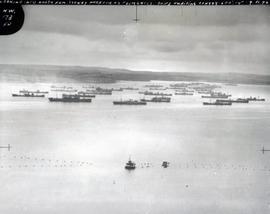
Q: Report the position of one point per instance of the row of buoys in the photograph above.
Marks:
(207, 166)
(40, 166)
(42, 162)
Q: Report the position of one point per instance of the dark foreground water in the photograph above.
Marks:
(69, 158)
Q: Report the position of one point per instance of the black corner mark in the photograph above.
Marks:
(11, 18)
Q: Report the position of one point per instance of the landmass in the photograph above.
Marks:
(56, 73)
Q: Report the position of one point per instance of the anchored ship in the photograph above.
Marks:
(238, 100)
(67, 98)
(183, 93)
(100, 91)
(218, 103)
(255, 99)
(35, 92)
(154, 94)
(129, 102)
(216, 95)
(28, 94)
(85, 94)
(158, 100)
(129, 88)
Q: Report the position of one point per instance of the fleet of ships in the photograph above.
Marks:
(154, 93)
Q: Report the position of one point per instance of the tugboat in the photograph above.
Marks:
(130, 165)
(165, 164)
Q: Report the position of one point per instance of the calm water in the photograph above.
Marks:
(69, 158)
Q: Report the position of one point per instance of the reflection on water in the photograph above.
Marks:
(70, 157)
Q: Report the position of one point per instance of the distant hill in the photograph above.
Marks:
(51, 73)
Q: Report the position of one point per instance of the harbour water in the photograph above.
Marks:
(70, 157)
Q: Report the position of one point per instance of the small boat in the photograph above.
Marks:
(130, 165)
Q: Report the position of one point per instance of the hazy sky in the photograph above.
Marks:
(184, 39)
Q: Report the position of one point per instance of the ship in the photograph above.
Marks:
(28, 94)
(129, 102)
(35, 92)
(158, 100)
(255, 99)
(184, 93)
(100, 91)
(117, 89)
(129, 88)
(154, 94)
(85, 94)
(217, 95)
(158, 89)
(130, 165)
(238, 100)
(70, 90)
(67, 98)
(218, 103)
(154, 86)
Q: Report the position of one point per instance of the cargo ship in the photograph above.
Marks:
(217, 95)
(255, 99)
(35, 92)
(158, 100)
(28, 94)
(67, 98)
(158, 89)
(65, 90)
(129, 102)
(129, 88)
(154, 93)
(239, 100)
(85, 94)
(100, 91)
(218, 103)
(184, 93)
(154, 86)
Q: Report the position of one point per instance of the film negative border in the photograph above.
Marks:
(143, 2)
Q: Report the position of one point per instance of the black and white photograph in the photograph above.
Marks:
(136, 110)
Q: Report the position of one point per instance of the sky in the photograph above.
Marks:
(166, 38)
